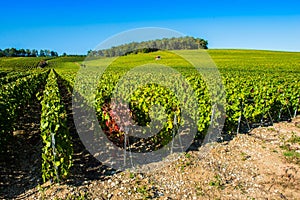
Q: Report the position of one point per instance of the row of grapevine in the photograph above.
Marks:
(3, 73)
(256, 100)
(57, 151)
(166, 104)
(68, 80)
(12, 77)
(13, 97)
(269, 98)
(261, 97)
(21, 63)
(257, 96)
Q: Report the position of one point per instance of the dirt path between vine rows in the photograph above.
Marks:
(20, 162)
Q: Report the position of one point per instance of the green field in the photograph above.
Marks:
(261, 87)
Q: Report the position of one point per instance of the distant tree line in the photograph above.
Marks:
(13, 52)
(152, 45)
(72, 55)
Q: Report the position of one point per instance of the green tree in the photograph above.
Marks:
(28, 52)
(12, 52)
(34, 53)
(22, 52)
(42, 53)
(53, 54)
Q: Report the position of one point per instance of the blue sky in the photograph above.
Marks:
(77, 26)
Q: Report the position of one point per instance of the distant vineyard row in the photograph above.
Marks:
(29, 63)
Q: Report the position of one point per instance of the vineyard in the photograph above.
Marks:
(260, 88)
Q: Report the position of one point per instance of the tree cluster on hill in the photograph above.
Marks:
(13, 52)
(151, 45)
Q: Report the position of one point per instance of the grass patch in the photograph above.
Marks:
(294, 139)
(291, 154)
(217, 182)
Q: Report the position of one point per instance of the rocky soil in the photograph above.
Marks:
(263, 164)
